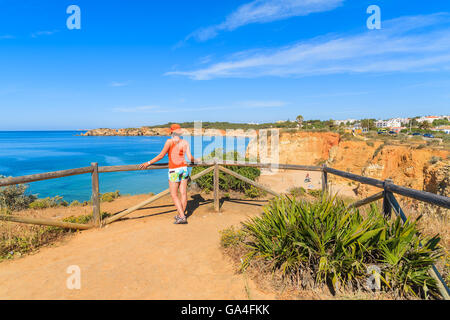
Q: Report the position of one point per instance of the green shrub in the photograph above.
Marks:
(231, 237)
(14, 198)
(378, 150)
(226, 182)
(48, 203)
(435, 159)
(84, 219)
(432, 142)
(446, 274)
(253, 192)
(109, 196)
(336, 246)
(315, 193)
(321, 162)
(75, 203)
(370, 143)
(297, 191)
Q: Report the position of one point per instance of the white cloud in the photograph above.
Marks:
(118, 84)
(6, 36)
(263, 11)
(419, 43)
(43, 33)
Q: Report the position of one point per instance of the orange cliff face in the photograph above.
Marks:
(406, 165)
(306, 148)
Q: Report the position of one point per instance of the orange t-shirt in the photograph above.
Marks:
(176, 155)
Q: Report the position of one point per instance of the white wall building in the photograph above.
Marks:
(391, 123)
(429, 119)
(445, 129)
(338, 122)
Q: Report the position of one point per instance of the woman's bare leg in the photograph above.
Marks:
(173, 187)
(183, 193)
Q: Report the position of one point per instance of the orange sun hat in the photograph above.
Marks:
(174, 127)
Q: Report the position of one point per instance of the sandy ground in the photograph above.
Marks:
(143, 257)
(283, 181)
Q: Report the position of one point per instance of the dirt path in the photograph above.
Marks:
(283, 181)
(144, 257)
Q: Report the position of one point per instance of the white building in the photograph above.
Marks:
(429, 119)
(391, 123)
(338, 122)
(445, 129)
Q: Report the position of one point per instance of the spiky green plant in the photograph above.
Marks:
(337, 245)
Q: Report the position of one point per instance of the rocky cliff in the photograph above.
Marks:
(422, 168)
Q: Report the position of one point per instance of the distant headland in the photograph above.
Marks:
(207, 128)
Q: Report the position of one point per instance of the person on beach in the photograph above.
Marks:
(177, 149)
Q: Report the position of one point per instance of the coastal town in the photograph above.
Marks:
(397, 125)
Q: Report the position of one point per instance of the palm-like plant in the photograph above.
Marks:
(337, 245)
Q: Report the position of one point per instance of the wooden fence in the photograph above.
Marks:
(387, 194)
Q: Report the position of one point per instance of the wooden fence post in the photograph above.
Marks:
(95, 196)
(387, 208)
(324, 180)
(216, 188)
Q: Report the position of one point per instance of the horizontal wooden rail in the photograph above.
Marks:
(438, 200)
(367, 200)
(44, 176)
(135, 167)
(432, 198)
(365, 180)
(45, 222)
(429, 197)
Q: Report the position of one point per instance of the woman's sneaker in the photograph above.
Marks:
(179, 220)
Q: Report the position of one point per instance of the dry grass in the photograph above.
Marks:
(17, 239)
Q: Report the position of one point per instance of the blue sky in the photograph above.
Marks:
(136, 63)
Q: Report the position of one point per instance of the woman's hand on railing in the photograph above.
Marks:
(144, 165)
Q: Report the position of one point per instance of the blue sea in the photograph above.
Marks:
(30, 152)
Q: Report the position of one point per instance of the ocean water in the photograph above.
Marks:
(30, 152)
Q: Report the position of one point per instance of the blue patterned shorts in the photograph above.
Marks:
(178, 174)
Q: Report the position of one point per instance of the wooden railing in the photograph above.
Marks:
(390, 203)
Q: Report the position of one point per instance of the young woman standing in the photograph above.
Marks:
(177, 149)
